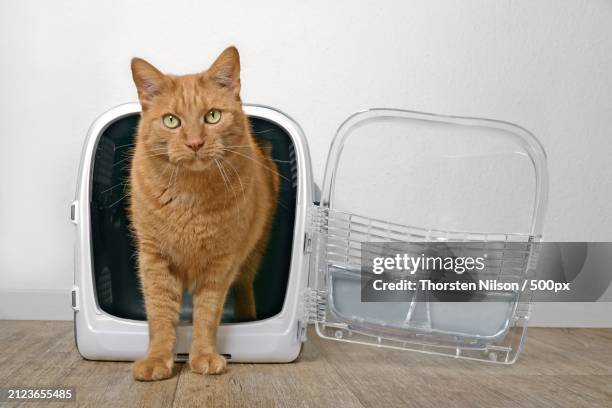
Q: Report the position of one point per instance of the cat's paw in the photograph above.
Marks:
(152, 369)
(211, 363)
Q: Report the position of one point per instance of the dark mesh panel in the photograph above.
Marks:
(116, 282)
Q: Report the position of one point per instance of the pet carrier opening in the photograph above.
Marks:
(114, 258)
(392, 177)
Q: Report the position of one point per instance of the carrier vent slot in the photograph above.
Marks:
(184, 357)
(104, 160)
(293, 163)
(510, 257)
(104, 288)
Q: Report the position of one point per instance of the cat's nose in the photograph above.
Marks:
(195, 146)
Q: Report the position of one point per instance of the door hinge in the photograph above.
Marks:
(317, 218)
(316, 221)
(315, 302)
(314, 308)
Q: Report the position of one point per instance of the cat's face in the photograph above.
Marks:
(191, 120)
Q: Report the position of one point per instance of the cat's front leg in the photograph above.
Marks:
(162, 294)
(208, 300)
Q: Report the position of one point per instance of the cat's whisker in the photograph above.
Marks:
(150, 156)
(240, 214)
(224, 182)
(219, 169)
(255, 161)
(111, 188)
(124, 145)
(117, 202)
(171, 177)
(161, 152)
(121, 161)
(229, 182)
(276, 160)
(237, 176)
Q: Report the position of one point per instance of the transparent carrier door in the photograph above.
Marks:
(414, 181)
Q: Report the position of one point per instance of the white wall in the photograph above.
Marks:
(546, 65)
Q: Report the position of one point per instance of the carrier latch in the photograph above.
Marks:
(73, 212)
(75, 298)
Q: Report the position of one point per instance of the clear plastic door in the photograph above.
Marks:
(409, 181)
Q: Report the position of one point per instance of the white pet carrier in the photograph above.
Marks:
(391, 176)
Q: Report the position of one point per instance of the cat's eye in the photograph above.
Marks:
(170, 121)
(212, 116)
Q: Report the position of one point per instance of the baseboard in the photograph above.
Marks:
(571, 314)
(35, 304)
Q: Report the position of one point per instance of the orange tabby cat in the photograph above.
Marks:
(203, 195)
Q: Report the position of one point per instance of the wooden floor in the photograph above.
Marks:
(559, 368)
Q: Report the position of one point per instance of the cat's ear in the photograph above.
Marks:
(225, 71)
(149, 81)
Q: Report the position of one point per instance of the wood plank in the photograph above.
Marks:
(308, 382)
(560, 367)
(43, 354)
